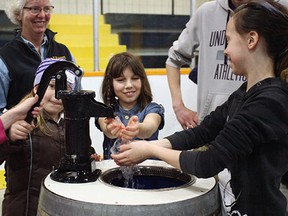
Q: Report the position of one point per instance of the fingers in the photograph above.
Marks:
(122, 160)
(113, 126)
(36, 98)
(20, 130)
(187, 118)
(118, 129)
(184, 127)
(36, 111)
(133, 121)
(130, 132)
(96, 157)
(28, 103)
(188, 125)
(23, 108)
(115, 130)
(108, 120)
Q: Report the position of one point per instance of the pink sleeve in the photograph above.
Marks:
(3, 137)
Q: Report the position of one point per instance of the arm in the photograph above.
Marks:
(186, 117)
(19, 112)
(149, 126)
(219, 154)
(208, 130)
(141, 130)
(181, 53)
(4, 85)
(11, 116)
(3, 137)
(138, 151)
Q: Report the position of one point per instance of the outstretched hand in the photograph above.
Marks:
(117, 129)
(114, 126)
(131, 130)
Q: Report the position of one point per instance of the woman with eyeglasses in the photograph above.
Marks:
(248, 134)
(33, 43)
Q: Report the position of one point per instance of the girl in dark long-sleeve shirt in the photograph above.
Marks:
(248, 134)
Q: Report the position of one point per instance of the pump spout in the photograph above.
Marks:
(81, 104)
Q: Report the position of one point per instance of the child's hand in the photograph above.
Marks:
(131, 130)
(19, 130)
(114, 126)
(96, 157)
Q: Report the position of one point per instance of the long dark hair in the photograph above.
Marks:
(117, 64)
(270, 19)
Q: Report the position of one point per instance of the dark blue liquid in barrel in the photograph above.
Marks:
(147, 182)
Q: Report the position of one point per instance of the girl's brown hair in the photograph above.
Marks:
(117, 64)
(270, 19)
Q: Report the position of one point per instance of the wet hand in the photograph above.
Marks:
(132, 153)
(114, 126)
(96, 157)
(131, 130)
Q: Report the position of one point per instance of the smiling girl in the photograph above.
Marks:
(125, 87)
(248, 134)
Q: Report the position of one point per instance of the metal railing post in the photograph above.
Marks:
(96, 34)
(193, 7)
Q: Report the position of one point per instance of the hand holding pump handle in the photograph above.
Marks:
(79, 105)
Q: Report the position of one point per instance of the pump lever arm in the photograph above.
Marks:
(48, 74)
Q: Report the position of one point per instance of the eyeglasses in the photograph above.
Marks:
(36, 10)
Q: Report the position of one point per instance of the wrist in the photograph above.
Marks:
(177, 106)
(149, 150)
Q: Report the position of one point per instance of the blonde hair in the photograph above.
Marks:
(40, 122)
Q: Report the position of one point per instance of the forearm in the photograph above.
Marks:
(144, 132)
(187, 139)
(149, 126)
(173, 75)
(3, 136)
(138, 151)
(8, 118)
(163, 153)
(4, 85)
